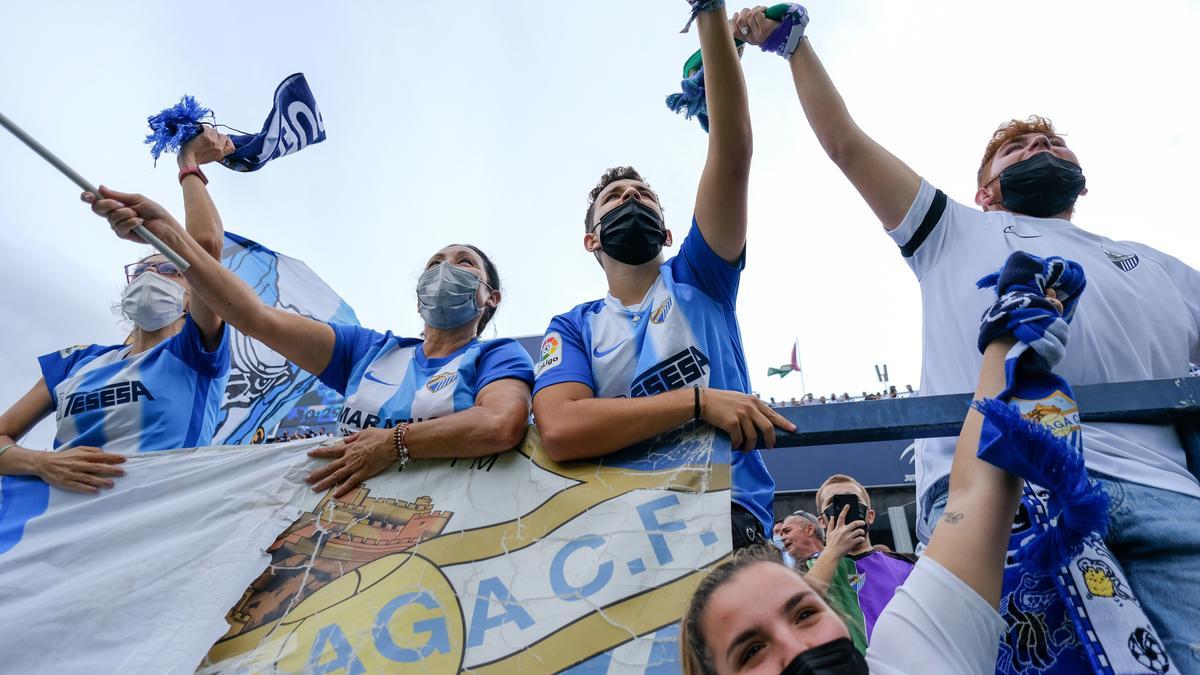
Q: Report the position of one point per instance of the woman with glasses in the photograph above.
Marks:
(159, 390)
(447, 394)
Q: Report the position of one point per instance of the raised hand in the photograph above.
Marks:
(210, 146)
(82, 469)
(125, 211)
(842, 537)
(752, 25)
(743, 417)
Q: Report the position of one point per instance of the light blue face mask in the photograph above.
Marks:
(446, 296)
(778, 541)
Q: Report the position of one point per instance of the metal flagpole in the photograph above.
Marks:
(87, 187)
(799, 367)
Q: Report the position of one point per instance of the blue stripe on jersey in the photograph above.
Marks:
(683, 333)
(199, 412)
(387, 379)
(107, 398)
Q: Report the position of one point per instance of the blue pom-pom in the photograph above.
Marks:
(691, 102)
(176, 125)
(1030, 450)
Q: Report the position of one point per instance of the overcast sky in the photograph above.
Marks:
(490, 128)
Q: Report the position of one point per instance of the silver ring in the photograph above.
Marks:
(745, 30)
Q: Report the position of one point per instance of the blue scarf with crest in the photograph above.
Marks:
(1066, 601)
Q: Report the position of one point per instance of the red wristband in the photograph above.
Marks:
(189, 170)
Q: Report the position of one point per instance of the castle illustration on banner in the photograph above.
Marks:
(336, 537)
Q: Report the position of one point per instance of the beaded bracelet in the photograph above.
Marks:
(398, 435)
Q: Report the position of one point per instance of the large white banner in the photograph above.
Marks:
(137, 579)
(504, 564)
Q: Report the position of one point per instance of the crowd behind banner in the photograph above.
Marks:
(640, 400)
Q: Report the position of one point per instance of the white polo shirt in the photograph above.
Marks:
(1139, 319)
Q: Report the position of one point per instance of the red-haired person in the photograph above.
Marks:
(1139, 321)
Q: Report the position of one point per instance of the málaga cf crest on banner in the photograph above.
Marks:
(509, 563)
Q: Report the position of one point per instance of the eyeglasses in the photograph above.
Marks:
(165, 268)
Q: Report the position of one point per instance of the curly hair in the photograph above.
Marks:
(610, 175)
(1007, 132)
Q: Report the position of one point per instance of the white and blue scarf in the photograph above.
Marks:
(1067, 603)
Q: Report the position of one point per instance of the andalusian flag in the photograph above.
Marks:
(783, 370)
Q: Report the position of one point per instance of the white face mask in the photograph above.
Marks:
(152, 301)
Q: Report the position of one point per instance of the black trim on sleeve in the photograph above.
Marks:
(932, 217)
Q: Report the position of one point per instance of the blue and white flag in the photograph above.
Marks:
(266, 390)
(293, 124)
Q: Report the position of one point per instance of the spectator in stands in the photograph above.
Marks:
(859, 579)
(802, 536)
(845, 397)
(892, 391)
(459, 396)
(753, 615)
(777, 541)
(910, 389)
(115, 400)
(793, 402)
(663, 349)
(821, 400)
(1140, 302)
(772, 401)
(808, 399)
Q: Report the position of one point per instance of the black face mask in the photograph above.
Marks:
(632, 233)
(832, 658)
(1041, 186)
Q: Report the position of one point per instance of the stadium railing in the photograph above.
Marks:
(1171, 401)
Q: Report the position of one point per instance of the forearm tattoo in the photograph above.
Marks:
(953, 517)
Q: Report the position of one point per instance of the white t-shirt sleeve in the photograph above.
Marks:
(1187, 281)
(928, 229)
(935, 624)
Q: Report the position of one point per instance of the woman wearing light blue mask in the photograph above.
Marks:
(117, 399)
(446, 394)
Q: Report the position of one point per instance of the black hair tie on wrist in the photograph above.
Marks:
(696, 406)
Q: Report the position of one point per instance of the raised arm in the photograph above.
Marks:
(203, 222)
(887, 184)
(723, 191)
(303, 341)
(497, 422)
(972, 538)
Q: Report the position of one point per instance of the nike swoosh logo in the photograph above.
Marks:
(1009, 230)
(601, 354)
(371, 376)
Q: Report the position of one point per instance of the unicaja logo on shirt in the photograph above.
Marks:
(440, 381)
(660, 313)
(107, 396)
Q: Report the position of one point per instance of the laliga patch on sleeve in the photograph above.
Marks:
(551, 353)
